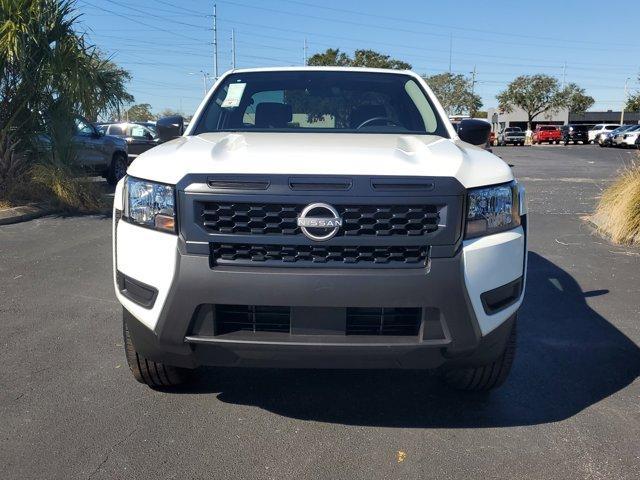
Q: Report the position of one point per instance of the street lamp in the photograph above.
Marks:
(204, 79)
(624, 100)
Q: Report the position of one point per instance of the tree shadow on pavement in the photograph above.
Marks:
(569, 357)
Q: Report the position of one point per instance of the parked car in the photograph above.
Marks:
(139, 137)
(599, 130)
(98, 153)
(626, 138)
(606, 139)
(511, 136)
(575, 133)
(547, 133)
(231, 251)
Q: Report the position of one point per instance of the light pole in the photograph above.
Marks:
(624, 101)
(204, 79)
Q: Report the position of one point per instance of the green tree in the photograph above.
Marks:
(455, 93)
(361, 58)
(633, 101)
(168, 112)
(332, 57)
(576, 99)
(47, 70)
(140, 113)
(535, 94)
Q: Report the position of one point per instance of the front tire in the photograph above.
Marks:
(153, 374)
(484, 377)
(117, 169)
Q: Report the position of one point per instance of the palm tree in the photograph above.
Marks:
(47, 68)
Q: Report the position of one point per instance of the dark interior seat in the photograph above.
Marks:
(273, 115)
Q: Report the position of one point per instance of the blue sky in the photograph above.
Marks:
(166, 44)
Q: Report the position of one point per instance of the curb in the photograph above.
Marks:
(23, 213)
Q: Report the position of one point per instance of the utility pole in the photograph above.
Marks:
(564, 74)
(624, 101)
(215, 43)
(304, 52)
(204, 81)
(450, 50)
(473, 80)
(233, 48)
(473, 89)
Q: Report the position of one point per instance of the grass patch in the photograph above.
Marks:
(618, 212)
(65, 190)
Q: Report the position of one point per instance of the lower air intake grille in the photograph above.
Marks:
(336, 254)
(383, 321)
(252, 318)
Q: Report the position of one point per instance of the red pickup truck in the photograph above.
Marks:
(547, 133)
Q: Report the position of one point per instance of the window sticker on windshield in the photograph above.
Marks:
(234, 95)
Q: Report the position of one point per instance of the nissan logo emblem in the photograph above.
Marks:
(319, 221)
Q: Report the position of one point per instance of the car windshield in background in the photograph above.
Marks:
(320, 101)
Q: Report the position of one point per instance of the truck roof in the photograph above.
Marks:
(330, 68)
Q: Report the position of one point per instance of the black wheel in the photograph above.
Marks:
(484, 377)
(117, 169)
(153, 374)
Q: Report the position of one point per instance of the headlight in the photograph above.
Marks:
(492, 210)
(150, 204)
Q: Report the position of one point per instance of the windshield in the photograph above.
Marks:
(320, 101)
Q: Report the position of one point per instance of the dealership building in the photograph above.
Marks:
(518, 118)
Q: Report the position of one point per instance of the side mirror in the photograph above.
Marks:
(473, 131)
(169, 128)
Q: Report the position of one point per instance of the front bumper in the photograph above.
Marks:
(449, 292)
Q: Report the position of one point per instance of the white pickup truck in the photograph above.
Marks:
(320, 218)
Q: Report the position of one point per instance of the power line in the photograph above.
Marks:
(449, 27)
(369, 41)
(172, 20)
(141, 23)
(182, 9)
(390, 28)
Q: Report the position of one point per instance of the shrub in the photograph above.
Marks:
(66, 190)
(618, 212)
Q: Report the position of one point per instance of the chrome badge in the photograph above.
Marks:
(319, 221)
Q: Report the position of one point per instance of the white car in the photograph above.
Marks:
(629, 138)
(626, 138)
(601, 128)
(320, 217)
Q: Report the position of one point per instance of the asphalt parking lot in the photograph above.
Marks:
(69, 407)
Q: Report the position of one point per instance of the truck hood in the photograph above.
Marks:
(321, 154)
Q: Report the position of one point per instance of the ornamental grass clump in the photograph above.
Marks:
(618, 212)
